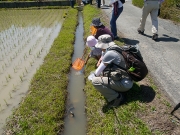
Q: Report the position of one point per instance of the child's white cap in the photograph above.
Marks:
(91, 41)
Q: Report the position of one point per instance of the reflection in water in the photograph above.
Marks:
(24, 42)
(75, 122)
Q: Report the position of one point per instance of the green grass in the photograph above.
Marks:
(42, 111)
(100, 119)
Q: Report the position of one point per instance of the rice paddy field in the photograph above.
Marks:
(25, 39)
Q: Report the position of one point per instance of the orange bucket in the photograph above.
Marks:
(78, 64)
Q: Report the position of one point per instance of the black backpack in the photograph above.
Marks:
(135, 66)
(123, 1)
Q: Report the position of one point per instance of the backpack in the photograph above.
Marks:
(123, 1)
(135, 66)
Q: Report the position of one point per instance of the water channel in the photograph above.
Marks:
(75, 121)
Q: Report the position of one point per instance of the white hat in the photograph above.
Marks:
(104, 41)
(91, 41)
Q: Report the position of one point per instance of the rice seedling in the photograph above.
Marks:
(10, 95)
(14, 87)
(21, 78)
(25, 56)
(26, 70)
(14, 70)
(9, 76)
(23, 74)
(3, 67)
(5, 102)
(31, 63)
(5, 64)
(7, 79)
(29, 51)
(10, 58)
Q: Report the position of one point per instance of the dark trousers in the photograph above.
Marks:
(90, 2)
(98, 3)
(72, 4)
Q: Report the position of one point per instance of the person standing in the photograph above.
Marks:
(72, 3)
(117, 8)
(98, 3)
(90, 2)
(78, 2)
(103, 3)
(108, 84)
(150, 7)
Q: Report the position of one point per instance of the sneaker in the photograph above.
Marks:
(140, 32)
(116, 102)
(116, 37)
(155, 37)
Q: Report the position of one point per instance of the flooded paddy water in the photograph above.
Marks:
(25, 38)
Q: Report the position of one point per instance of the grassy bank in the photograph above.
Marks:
(42, 111)
(170, 9)
(102, 120)
(142, 105)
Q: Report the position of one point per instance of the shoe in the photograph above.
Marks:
(140, 32)
(116, 37)
(116, 102)
(155, 37)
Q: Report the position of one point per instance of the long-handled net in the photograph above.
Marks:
(79, 63)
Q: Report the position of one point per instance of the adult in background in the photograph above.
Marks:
(150, 7)
(111, 86)
(103, 3)
(98, 29)
(78, 2)
(98, 3)
(90, 2)
(117, 8)
(72, 3)
(85, 2)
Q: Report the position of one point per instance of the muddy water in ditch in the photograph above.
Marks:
(24, 42)
(75, 121)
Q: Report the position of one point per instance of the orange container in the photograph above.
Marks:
(78, 64)
(93, 30)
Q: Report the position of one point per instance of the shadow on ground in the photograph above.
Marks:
(129, 41)
(167, 38)
(142, 93)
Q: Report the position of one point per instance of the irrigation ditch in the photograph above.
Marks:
(75, 121)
